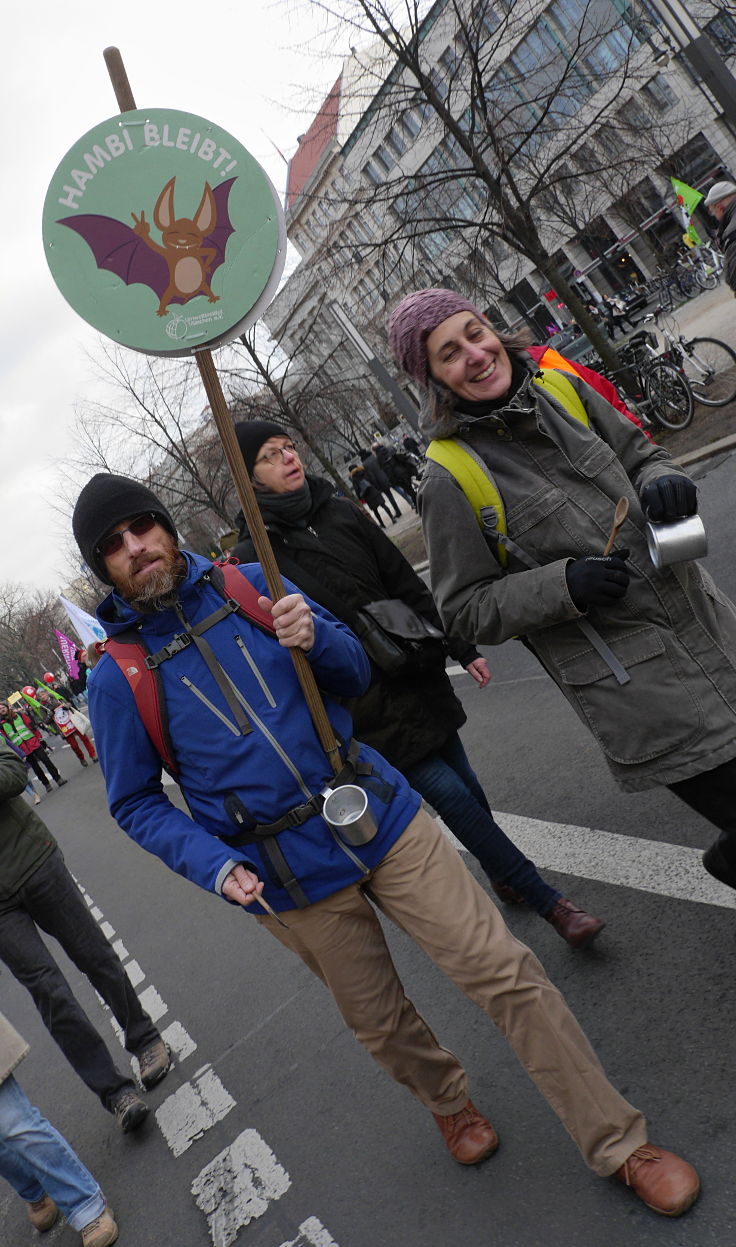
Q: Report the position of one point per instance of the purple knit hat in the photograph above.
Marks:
(412, 321)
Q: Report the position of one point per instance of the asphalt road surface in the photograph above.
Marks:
(275, 1129)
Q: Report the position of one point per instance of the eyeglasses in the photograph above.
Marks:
(273, 456)
(114, 541)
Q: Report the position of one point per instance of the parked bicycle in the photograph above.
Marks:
(707, 266)
(662, 391)
(673, 286)
(708, 363)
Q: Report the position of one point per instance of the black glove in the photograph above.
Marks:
(669, 498)
(597, 580)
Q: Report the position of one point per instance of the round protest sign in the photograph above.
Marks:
(163, 232)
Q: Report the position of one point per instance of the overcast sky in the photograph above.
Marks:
(252, 67)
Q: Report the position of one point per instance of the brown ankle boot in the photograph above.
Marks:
(469, 1137)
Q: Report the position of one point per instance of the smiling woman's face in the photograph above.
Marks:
(465, 355)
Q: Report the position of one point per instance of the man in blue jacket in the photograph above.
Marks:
(252, 770)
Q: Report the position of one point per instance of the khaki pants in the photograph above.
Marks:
(423, 886)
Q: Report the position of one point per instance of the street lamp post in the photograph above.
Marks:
(701, 53)
(380, 372)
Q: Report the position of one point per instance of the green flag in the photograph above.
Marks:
(687, 196)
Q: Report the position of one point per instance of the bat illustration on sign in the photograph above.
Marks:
(181, 266)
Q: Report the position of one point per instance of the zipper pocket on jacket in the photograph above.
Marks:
(270, 738)
(206, 702)
(256, 672)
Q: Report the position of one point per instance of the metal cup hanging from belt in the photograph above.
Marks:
(346, 811)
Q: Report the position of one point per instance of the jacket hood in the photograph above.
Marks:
(115, 614)
(438, 416)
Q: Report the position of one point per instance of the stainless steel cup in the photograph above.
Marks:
(346, 809)
(676, 542)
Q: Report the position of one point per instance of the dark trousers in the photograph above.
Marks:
(448, 782)
(51, 900)
(713, 794)
(35, 759)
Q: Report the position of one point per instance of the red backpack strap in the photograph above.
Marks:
(145, 684)
(238, 588)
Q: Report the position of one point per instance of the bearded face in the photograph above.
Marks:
(147, 570)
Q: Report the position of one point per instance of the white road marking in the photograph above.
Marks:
(625, 861)
(312, 1233)
(193, 1109)
(107, 930)
(153, 1004)
(121, 950)
(96, 913)
(179, 1040)
(134, 973)
(238, 1186)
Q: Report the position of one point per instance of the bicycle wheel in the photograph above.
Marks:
(707, 278)
(687, 284)
(671, 398)
(710, 367)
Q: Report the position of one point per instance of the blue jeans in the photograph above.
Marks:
(36, 1160)
(50, 899)
(448, 782)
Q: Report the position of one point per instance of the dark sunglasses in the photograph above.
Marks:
(140, 525)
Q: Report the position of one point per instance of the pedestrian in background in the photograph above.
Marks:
(18, 729)
(721, 204)
(37, 893)
(410, 716)
(399, 470)
(38, 1162)
(379, 480)
(646, 657)
(64, 718)
(366, 491)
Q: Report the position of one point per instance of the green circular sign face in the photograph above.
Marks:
(163, 232)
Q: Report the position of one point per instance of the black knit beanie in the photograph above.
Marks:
(251, 435)
(103, 503)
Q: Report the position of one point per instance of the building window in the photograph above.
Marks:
(659, 93)
(722, 30)
(374, 173)
(410, 122)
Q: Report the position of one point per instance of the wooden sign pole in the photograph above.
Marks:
(243, 486)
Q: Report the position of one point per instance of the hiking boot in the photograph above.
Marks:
(43, 1213)
(60, 782)
(129, 1109)
(100, 1232)
(83, 761)
(663, 1181)
(469, 1137)
(36, 798)
(574, 925)
(154, 1061)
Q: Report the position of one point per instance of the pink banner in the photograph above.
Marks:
(68, 649)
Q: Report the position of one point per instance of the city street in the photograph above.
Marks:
(275, 1129)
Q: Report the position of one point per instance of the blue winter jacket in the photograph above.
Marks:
(216, 762)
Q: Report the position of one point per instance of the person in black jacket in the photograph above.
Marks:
(378, 477)
(327, 547)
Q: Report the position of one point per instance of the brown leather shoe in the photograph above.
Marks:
(665, 1182)
(469, 1137)
(43, 1213)
(507, 894)
(573, 924)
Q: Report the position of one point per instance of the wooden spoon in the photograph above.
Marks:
(619, 515)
